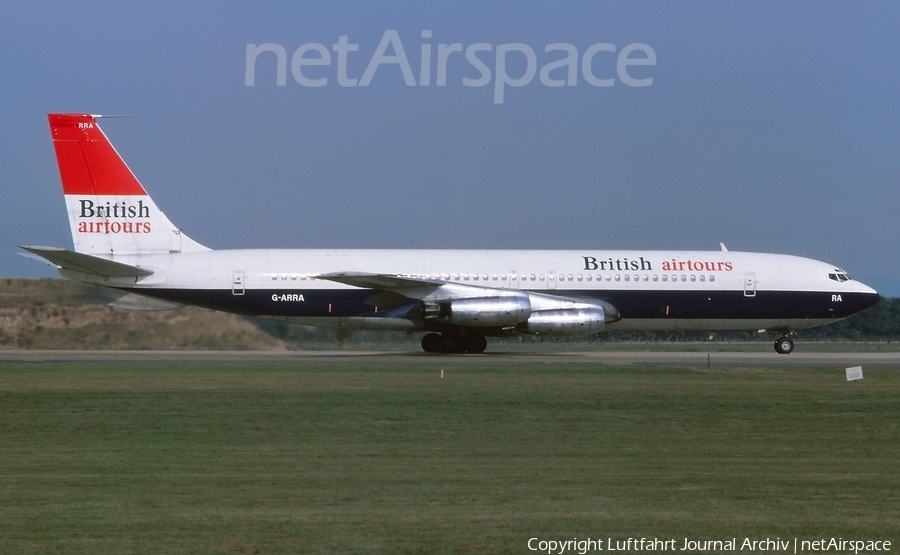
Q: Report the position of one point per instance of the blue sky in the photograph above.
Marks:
(769, 126)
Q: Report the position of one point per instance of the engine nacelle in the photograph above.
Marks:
(507, 309)
(583, 320)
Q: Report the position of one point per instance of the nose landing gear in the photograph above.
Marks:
(784, 345)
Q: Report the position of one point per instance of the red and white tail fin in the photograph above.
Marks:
(109, 210)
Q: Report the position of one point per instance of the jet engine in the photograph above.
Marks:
(571, 321)
(507, 309)
(521, 311)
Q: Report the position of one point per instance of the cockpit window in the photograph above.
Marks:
(839, 276)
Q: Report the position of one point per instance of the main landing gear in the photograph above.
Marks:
(784, 345)
(451, 343)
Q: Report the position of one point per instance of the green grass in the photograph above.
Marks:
(718, 346)
(378, 459)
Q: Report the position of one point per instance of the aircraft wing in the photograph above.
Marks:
(388, 282)
(391, 290)
(437, 290)
(87, 264)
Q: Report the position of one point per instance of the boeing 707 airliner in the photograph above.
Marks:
(128, 254)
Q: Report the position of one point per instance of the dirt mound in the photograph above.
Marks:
(53, 314)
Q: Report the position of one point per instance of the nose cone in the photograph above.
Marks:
(864, 297)
(863, 288)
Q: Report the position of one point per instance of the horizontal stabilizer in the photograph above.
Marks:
(87, 264)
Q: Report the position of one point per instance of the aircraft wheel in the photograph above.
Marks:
(784, 345)
(451, 343)
(476, 344)
(432, 343)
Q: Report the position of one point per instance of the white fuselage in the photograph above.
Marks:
(650, 289)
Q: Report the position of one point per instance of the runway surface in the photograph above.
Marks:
(392, 357)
